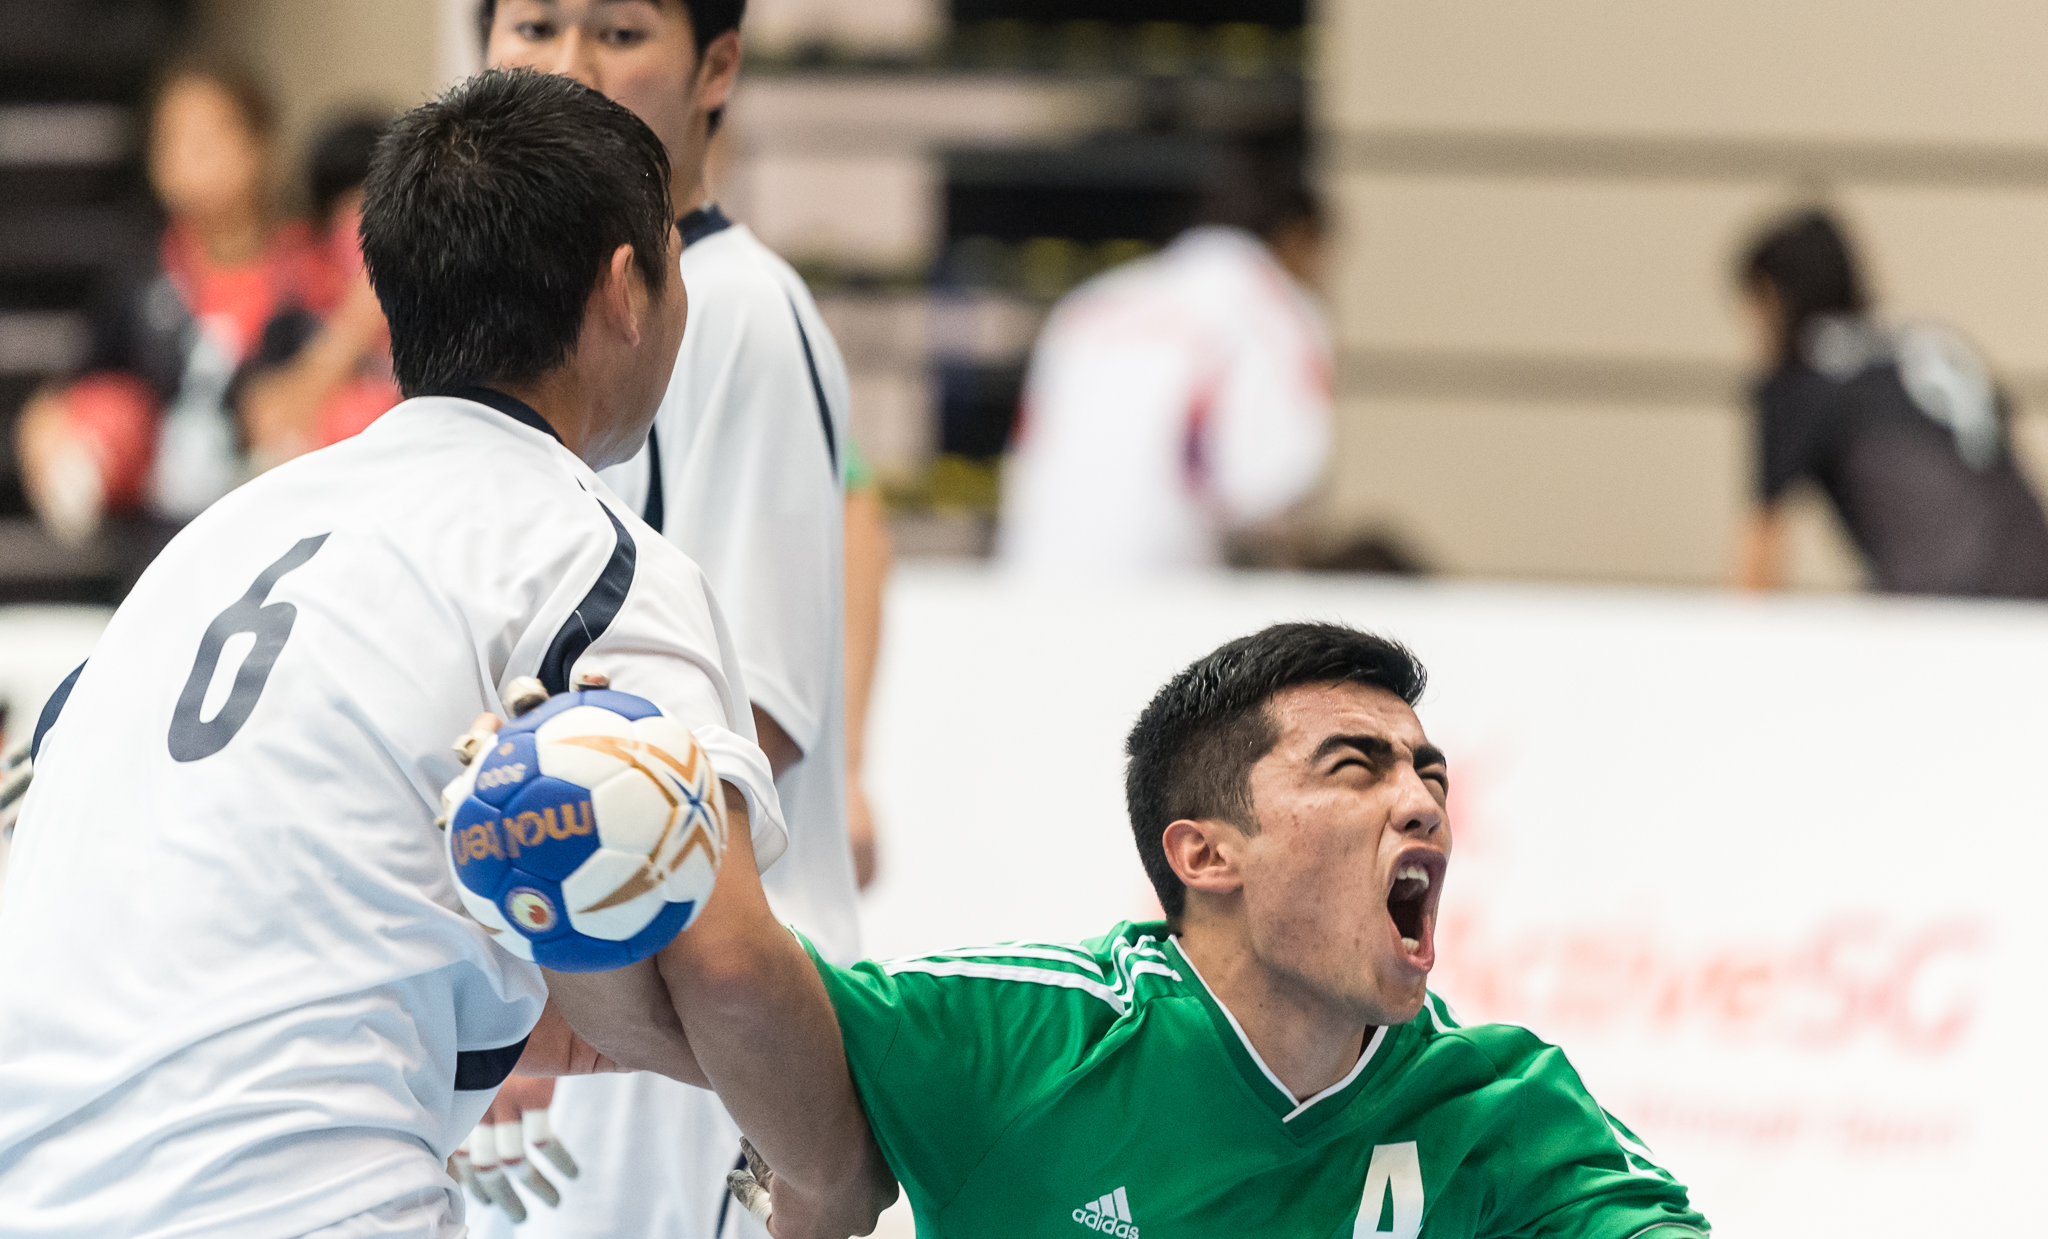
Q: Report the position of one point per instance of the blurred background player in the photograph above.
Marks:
(1901, 425)
(1177, 410)
(149, 429)
(744, 470)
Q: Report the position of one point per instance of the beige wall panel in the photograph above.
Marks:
(1977, 259)
(1580, 267)
(798, 204)
(323, 58)
(1546, 490)
(1967, 70)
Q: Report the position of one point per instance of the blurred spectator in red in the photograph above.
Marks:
(1177, 411)
(1900, 424)
(315, 380)
(149, 428)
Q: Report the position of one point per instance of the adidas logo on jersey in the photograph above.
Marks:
(1111, 1215)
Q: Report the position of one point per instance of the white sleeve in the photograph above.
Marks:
(753, 494)
(1272, 420)
(667, 642)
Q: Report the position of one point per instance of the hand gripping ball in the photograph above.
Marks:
(588, 832)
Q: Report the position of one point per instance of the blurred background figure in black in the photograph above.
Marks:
(1901, 425)
(1177, 411)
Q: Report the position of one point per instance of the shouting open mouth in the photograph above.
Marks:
(1411, 903)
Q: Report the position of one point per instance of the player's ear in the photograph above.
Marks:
(621, 296)
(1200, 851)
(718, 70)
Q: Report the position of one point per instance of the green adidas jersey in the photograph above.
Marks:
(1039, 1091)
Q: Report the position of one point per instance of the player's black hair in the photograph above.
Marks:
(708, 20)
(1805, 258)
(489, 216)
(1193, 748)
(340, 160)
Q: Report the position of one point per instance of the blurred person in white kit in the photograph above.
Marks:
(744, 470)
(1177, 409)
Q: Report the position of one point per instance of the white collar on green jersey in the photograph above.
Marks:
(1371, 1047)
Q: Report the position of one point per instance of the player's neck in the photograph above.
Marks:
(688, 190)
(566, 402)
(1307, 1041)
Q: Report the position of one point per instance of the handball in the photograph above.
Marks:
(587, 833)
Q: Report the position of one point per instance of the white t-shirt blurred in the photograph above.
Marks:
(1169, 402)
(238, 994)
(750, 439)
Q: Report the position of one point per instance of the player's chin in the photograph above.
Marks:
(1398, 997)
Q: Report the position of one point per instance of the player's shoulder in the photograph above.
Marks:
(1506, 1051)
(1093, 983)
(733, 268)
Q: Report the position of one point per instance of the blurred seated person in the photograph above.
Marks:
(1177, 409)
(314, 380)
(148, 430)
(1900, 424)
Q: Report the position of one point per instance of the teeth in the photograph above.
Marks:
(1413, 873)
(1410, 945)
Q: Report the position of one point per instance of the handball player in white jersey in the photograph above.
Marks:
(238, 995)
(743, 472)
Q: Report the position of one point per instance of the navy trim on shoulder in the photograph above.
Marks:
(511, 406)
(480, 1069)
(705, 221)
(592, 615)
(656, 507)
(818, 390)
(51, 709)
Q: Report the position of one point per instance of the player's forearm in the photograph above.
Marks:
(554, 1049)
(763, 1031)
(625, 1015)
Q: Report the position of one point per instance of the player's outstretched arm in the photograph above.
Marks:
(762, 1029)
(629, 1016)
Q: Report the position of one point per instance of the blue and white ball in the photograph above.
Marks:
(588, 834)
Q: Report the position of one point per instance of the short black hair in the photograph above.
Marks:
(1193, 748)
(490, 214)
(1806, 259)
(340, 160)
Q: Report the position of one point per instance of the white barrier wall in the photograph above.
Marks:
(1769, 870)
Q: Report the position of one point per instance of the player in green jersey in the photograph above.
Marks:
(1267, 1060)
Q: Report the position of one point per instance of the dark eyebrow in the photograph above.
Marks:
(1375, 747)
(1380, 749)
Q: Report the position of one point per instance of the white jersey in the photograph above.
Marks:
(749, 441)
(1168, 402)
(238, 995)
